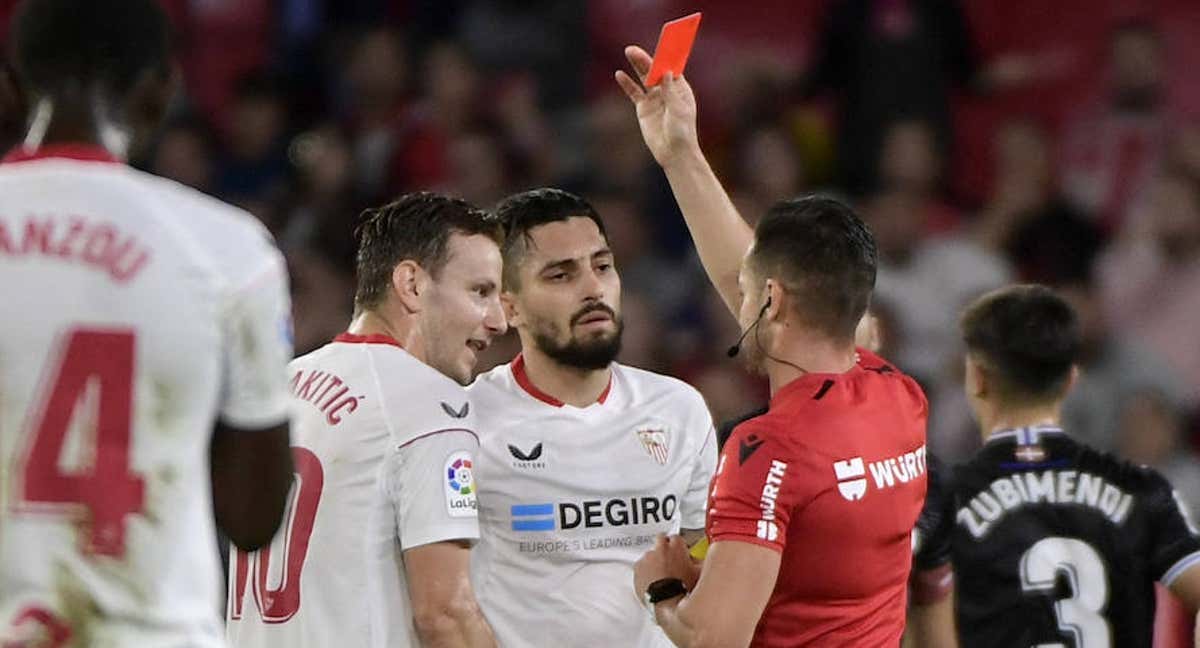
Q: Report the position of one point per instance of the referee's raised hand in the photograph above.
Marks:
(666, 112)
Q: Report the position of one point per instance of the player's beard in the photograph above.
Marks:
(592, 354)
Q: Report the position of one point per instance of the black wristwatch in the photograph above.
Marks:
(664, 589)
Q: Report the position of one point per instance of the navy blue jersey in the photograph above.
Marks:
(1054, 543)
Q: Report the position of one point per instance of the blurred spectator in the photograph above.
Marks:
(374, 106)
(545, 37)
(1027, 219)
(1114, 148)
(1112, 369)
(896, 59)
(476, 168)
(450, 105)
(926, 280)
(912, 164)
(641, 340)
(768, 169)
(1151, 434)
(255, 163)
(1151, 276)
(325, 204)
(186, 153)
(322, 297)
(642, 270)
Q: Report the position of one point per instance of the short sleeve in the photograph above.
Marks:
(695, 501)
(430, 483)
(756, 488)
(1175, 540)
(932, 574)
(935, 526)
(258, 345)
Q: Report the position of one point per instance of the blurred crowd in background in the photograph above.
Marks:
(985, 141)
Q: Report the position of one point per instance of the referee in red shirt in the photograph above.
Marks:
(812, 508)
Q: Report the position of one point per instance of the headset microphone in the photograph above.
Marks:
(737, 347)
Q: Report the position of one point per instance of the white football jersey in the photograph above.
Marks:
(384, 447)
(571, 497)
(136, 312)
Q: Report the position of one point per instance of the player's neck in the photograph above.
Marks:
(1015, 417)
(60, 120)
(571, 385)
(400, 329)
(798, 356)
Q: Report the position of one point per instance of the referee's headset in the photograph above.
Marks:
(737, 346)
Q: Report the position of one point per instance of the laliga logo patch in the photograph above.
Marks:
(460, 485)
(851, 475)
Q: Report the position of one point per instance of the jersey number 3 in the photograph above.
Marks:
(1080, 615)
(278, 604)
(96, 369)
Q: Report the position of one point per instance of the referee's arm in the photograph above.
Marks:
(724, 607)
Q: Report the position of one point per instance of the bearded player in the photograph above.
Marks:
(584, 460)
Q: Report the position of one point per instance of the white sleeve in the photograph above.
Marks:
(695, 502)
(431, 485)
(258, 345)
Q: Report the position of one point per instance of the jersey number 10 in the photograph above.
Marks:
(281, 603)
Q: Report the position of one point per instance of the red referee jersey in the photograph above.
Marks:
(833, 477)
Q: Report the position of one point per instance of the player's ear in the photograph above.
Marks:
(512, 313)
(1072, 379)
(975, 378)
(409, 280)
(774, 302)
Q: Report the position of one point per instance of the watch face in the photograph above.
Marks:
(665, 588)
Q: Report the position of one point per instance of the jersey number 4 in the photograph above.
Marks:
(1080, 615)
(279, 603)
(91, 390)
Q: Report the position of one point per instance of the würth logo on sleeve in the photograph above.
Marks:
(655, 443)
(767, 528)
(851, 476)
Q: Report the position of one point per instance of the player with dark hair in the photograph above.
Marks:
(812, 508)
(376, 550)
(585, 459)
(143, 349)
(1052, 543)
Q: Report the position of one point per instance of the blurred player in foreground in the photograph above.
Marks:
(584, 460)
(1052, 543)
(375, 552)
(138, 314)
(812, 508)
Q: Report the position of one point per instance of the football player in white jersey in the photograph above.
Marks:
(584, 461)
(139, 317)
(375, 550)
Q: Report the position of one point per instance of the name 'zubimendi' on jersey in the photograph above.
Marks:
(374, 552)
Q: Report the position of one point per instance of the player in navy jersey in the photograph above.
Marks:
(1052, 543)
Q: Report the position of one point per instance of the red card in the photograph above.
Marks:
(674, 46)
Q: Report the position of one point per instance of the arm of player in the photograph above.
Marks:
(445, 612)
(667, 116)
(931, 624)
(431, 485)
(249, 457)
(723, 607)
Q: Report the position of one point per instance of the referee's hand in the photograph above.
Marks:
(666, 113)
(669, 558)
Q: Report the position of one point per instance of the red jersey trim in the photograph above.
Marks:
(84, 152)
(733, 536)
(436, 432)
(374, 338)
(522, 378)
